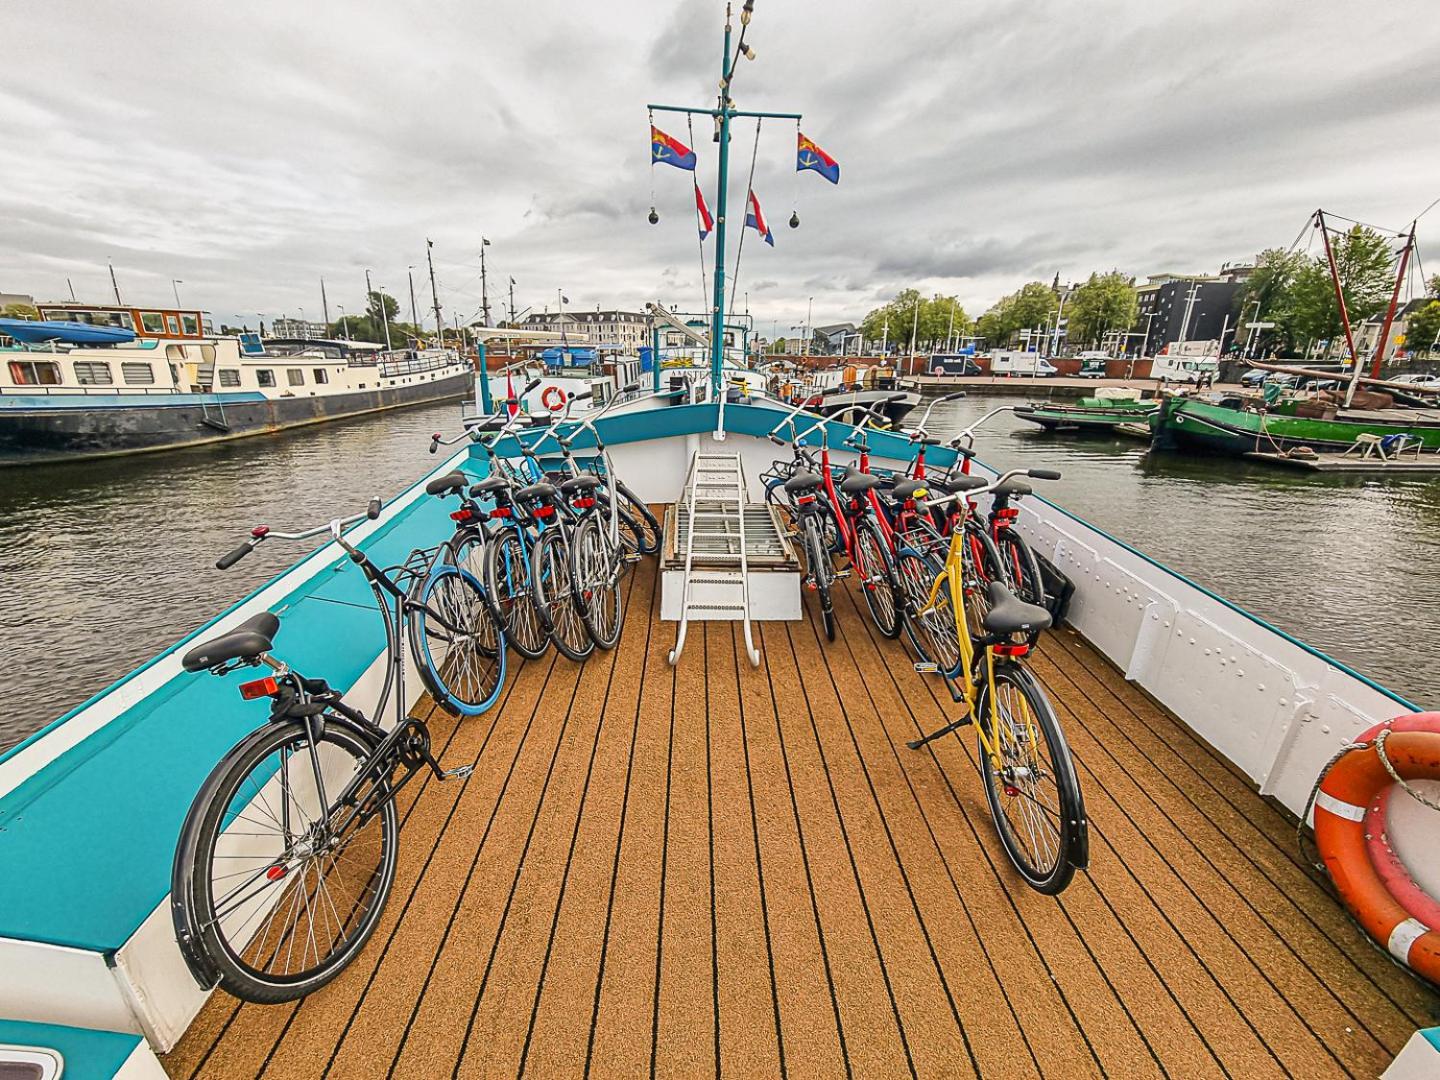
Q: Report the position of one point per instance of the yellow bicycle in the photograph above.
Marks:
(975, 632)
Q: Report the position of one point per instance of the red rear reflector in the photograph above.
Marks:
(585, 503)
(463, 514)
(544, 511)
(259, 688)
(1011, 650)
(500, 512)
(805, 500)
(275, 873)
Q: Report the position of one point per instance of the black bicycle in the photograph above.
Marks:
(288, 853)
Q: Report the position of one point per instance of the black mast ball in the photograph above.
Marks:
(654, 217)
(794, 219)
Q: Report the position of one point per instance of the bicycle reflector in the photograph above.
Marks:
(259, 688)
(463, 514)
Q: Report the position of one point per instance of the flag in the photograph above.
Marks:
(810, 156)
(754, 219)
(512, 406)
(706, 221)
(669, 150)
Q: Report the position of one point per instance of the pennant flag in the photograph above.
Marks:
(706, 221)
(810, 156)
(669, 150)
(754, 219)
(512, 406)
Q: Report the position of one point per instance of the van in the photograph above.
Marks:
(1092, 364)
(1012, 362)
(953, 364)
(1184, 369)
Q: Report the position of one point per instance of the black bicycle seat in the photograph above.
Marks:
(958, 482)
(1009, 614)
(1012, 488)
(536, 491)
(488, 485)
(907, 489)
(580, 483)
(247, 641)
(452, 483)
(802, 481)
(859, 483)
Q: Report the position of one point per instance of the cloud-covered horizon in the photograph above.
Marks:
(250, 151)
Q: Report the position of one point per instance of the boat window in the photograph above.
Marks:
(172, 324)
(175, 352)
(321, 375)
(229, 377)
(190, 324)
(295, 376)
(153, 322)
(136, 373)
(265, 377)
(34, 373)
(93, 373)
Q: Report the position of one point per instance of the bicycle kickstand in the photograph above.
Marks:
(916, 744)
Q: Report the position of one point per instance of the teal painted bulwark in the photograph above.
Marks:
(88, 1055)
(86, 842)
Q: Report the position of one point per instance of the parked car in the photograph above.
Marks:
(1417, 379)
(953, 365)
(1013, 362)
(1092, 364)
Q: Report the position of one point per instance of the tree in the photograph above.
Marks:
(778, 347)
(374, 302)
(1433, 286)
(1268, 296)
(1030, 307)
(1104, 303)
(930, 328)
(231, 331)
(1422, 328)
(19, 311)
(1363, 260)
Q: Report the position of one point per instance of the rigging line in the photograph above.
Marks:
(1364, 224)
(1428, 208)
(700, 240)
(749, 190)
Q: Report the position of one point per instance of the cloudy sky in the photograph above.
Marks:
(251, 149)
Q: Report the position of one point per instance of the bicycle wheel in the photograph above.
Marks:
(644, 518)
(278, 888)
(1032, 789)
(877, 578)
(931, 630)
(1022, 570)
(981, 565)
(457, 646)
(595, 570)
(512, 600)
(555, 595)
(466, 551)
(818, 557)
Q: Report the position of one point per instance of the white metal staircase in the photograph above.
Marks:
(711, 528)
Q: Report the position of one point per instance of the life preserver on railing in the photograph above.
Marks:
(553, 398)
(1350, 807)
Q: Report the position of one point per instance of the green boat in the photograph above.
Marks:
(1087, 414)
(1239, 425)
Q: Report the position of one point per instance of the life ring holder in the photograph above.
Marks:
(1396, 913)
(553, 398)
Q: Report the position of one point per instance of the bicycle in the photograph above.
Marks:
(1024, 758)
(269, 862)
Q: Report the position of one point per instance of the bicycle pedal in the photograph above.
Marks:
(459, 772)
(926, 667)
(635, 558)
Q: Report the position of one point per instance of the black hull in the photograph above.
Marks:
(893, 411)
(71, 433)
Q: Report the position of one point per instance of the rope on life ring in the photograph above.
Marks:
(553, 398)
(1349, 801)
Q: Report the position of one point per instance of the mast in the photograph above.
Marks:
(414, 314)
(1340, 299)
(434, 293)
(1394, 303)
(484, 289)
(114, 284)
(512, 301)
(325, 305)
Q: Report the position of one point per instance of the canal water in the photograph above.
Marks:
(105, 563)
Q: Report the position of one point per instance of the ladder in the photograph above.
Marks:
(713, 531)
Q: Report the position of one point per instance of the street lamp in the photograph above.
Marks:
(175, 284)
(261, 316)
(344, 326)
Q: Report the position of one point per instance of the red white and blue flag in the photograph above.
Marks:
(669, 150)
(810, 156)
(702, 214)
(754, 219)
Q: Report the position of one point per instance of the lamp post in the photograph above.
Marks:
(345, 326)
(175, 284)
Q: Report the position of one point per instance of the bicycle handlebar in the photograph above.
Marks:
(262, 533)
(1036, 474)
(437, 440)
(969, 433)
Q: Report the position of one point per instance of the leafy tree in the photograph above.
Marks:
(231, 331)
(1032, 306)
(929, 329)
(1422, 327)
(19, 311)
(1433, 285)
(373, 303)
(1271, 287)
(1363, 259)
(1105, 302)
(779, 347)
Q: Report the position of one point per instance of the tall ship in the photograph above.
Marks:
(85, 382)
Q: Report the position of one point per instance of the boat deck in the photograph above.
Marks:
(716, 868)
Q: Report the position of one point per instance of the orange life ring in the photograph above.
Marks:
(1348, 793)
(553, 398)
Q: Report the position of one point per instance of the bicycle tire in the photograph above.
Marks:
(876, 568)
(592, 562)
(981, 565)
(1010, 791)
(512, 600)
(555, 602)
(1022, 570)
(206, 837)
(931, 632)
(819, 559)
(644, 518)
(463, 669)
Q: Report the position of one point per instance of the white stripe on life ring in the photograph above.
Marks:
(1339, 807)
(1403, 936)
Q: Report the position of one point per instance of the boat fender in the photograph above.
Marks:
(553, 398)
(1344, 824)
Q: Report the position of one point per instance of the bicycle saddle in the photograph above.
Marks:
(859, 483)
(1010, 615)
(580, 483)
(536, 491)
(958, 482)
(907, 489)
(452, 483)
(802, 481)
(488, 485)
(1011, 488)
(247, 641)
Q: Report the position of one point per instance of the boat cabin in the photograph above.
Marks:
(161, 322)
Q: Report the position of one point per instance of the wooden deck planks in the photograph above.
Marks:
(717, 869)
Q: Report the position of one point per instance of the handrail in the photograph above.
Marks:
(679, 648)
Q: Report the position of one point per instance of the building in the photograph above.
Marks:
(623, 330)
(1178, 308)
(299, 329)
(1367, 333)
(833, 340)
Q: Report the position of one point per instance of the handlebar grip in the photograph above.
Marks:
(896, 397)
(776, 439)
(530, 386)
(227, 561)
(434, 443)
(954, 397)
(1043, 474)
(586, 396)
(373, 510)
(632, 388)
